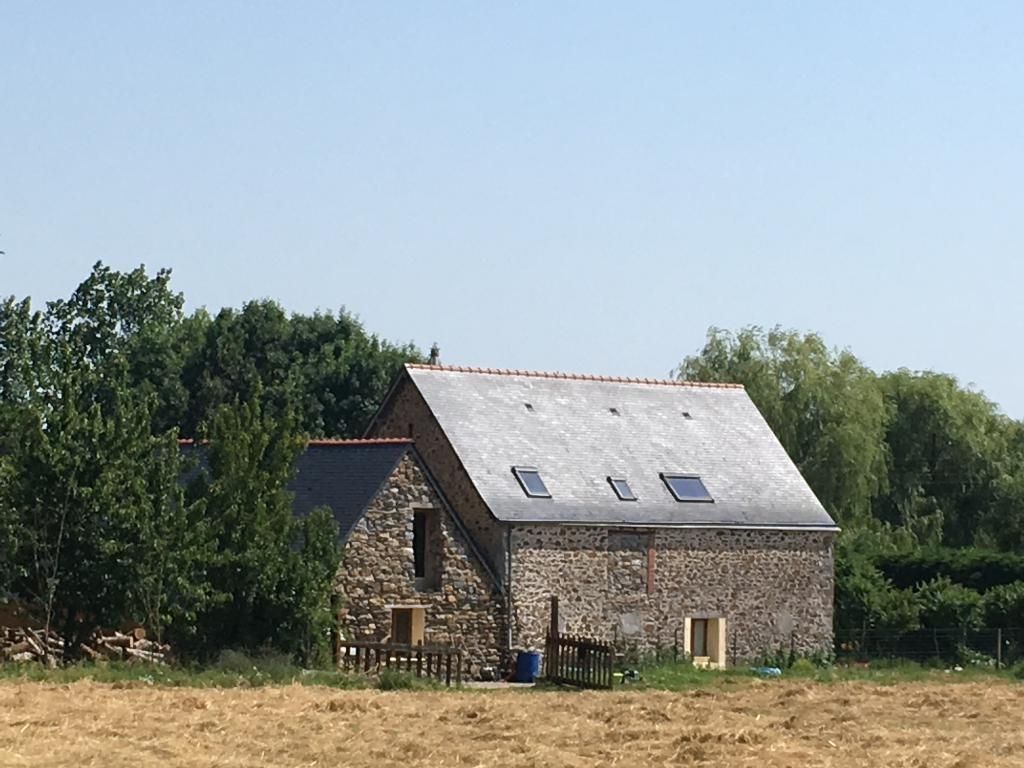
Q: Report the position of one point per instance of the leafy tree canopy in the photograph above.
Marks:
(824, 406)
(914, 455)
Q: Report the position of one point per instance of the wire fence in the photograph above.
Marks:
(997, 647)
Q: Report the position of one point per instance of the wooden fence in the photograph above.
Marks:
(437, 662)
(578, 661)
(573, 660)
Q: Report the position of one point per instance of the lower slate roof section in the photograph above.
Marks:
(345, 476)
(579, 430)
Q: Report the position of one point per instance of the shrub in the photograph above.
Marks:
(266, 667)
(235, 661)
(969, 657)
(803, 666)
(774, 657)
(1004, 605)
(944, 604)
(866, 598)
(977, 569)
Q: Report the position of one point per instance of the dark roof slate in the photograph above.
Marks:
(345, 476)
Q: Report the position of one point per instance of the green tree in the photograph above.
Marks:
(122, 328)
(316, 555)
(78, 485)
(10, 526)
(20, 369)
(1002, 523)
(83, 473)
(825, 407)
(948, 451)
(22, 360)
(172, 547)
(95, 528)
(272, 574)
(324, 369)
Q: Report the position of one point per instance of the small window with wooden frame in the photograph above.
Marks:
(704, 640)
(407, 625)
(426, 549)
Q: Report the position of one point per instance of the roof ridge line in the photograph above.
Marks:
(574, 376)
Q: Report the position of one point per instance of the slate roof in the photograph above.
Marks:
(573, 438)
(344, 475)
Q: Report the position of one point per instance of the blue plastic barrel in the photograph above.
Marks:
(527, 666)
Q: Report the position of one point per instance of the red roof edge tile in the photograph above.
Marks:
(363, 441)
(574, 376)
(331, 441)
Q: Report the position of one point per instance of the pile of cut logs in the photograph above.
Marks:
(37, 645)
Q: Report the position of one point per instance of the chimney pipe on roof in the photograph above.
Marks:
(435, 354)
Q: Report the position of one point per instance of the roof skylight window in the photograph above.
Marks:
(622, 489)
(614, 411)
(531, 482)
(529, 407)
(686, 487)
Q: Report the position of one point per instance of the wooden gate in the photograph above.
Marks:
(440, 663)
(574, 660)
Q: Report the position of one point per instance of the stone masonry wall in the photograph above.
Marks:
(406, 409)
(378, 571)
(773, 588)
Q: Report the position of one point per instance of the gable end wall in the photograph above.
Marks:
(378, 571)
(406, 407)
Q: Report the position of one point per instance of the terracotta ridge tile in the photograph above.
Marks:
(574, 376)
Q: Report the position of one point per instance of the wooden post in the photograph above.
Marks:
(564, 643)
(458, 669)
(999, 648)
(448, 669)
(419, 661)
(551, 648)
(559, 650)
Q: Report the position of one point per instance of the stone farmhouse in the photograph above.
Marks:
(660, 513)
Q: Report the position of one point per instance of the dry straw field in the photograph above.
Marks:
(765, 724)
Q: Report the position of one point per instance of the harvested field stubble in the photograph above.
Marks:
(764, 724)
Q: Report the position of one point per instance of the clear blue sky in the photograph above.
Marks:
(570, 186)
